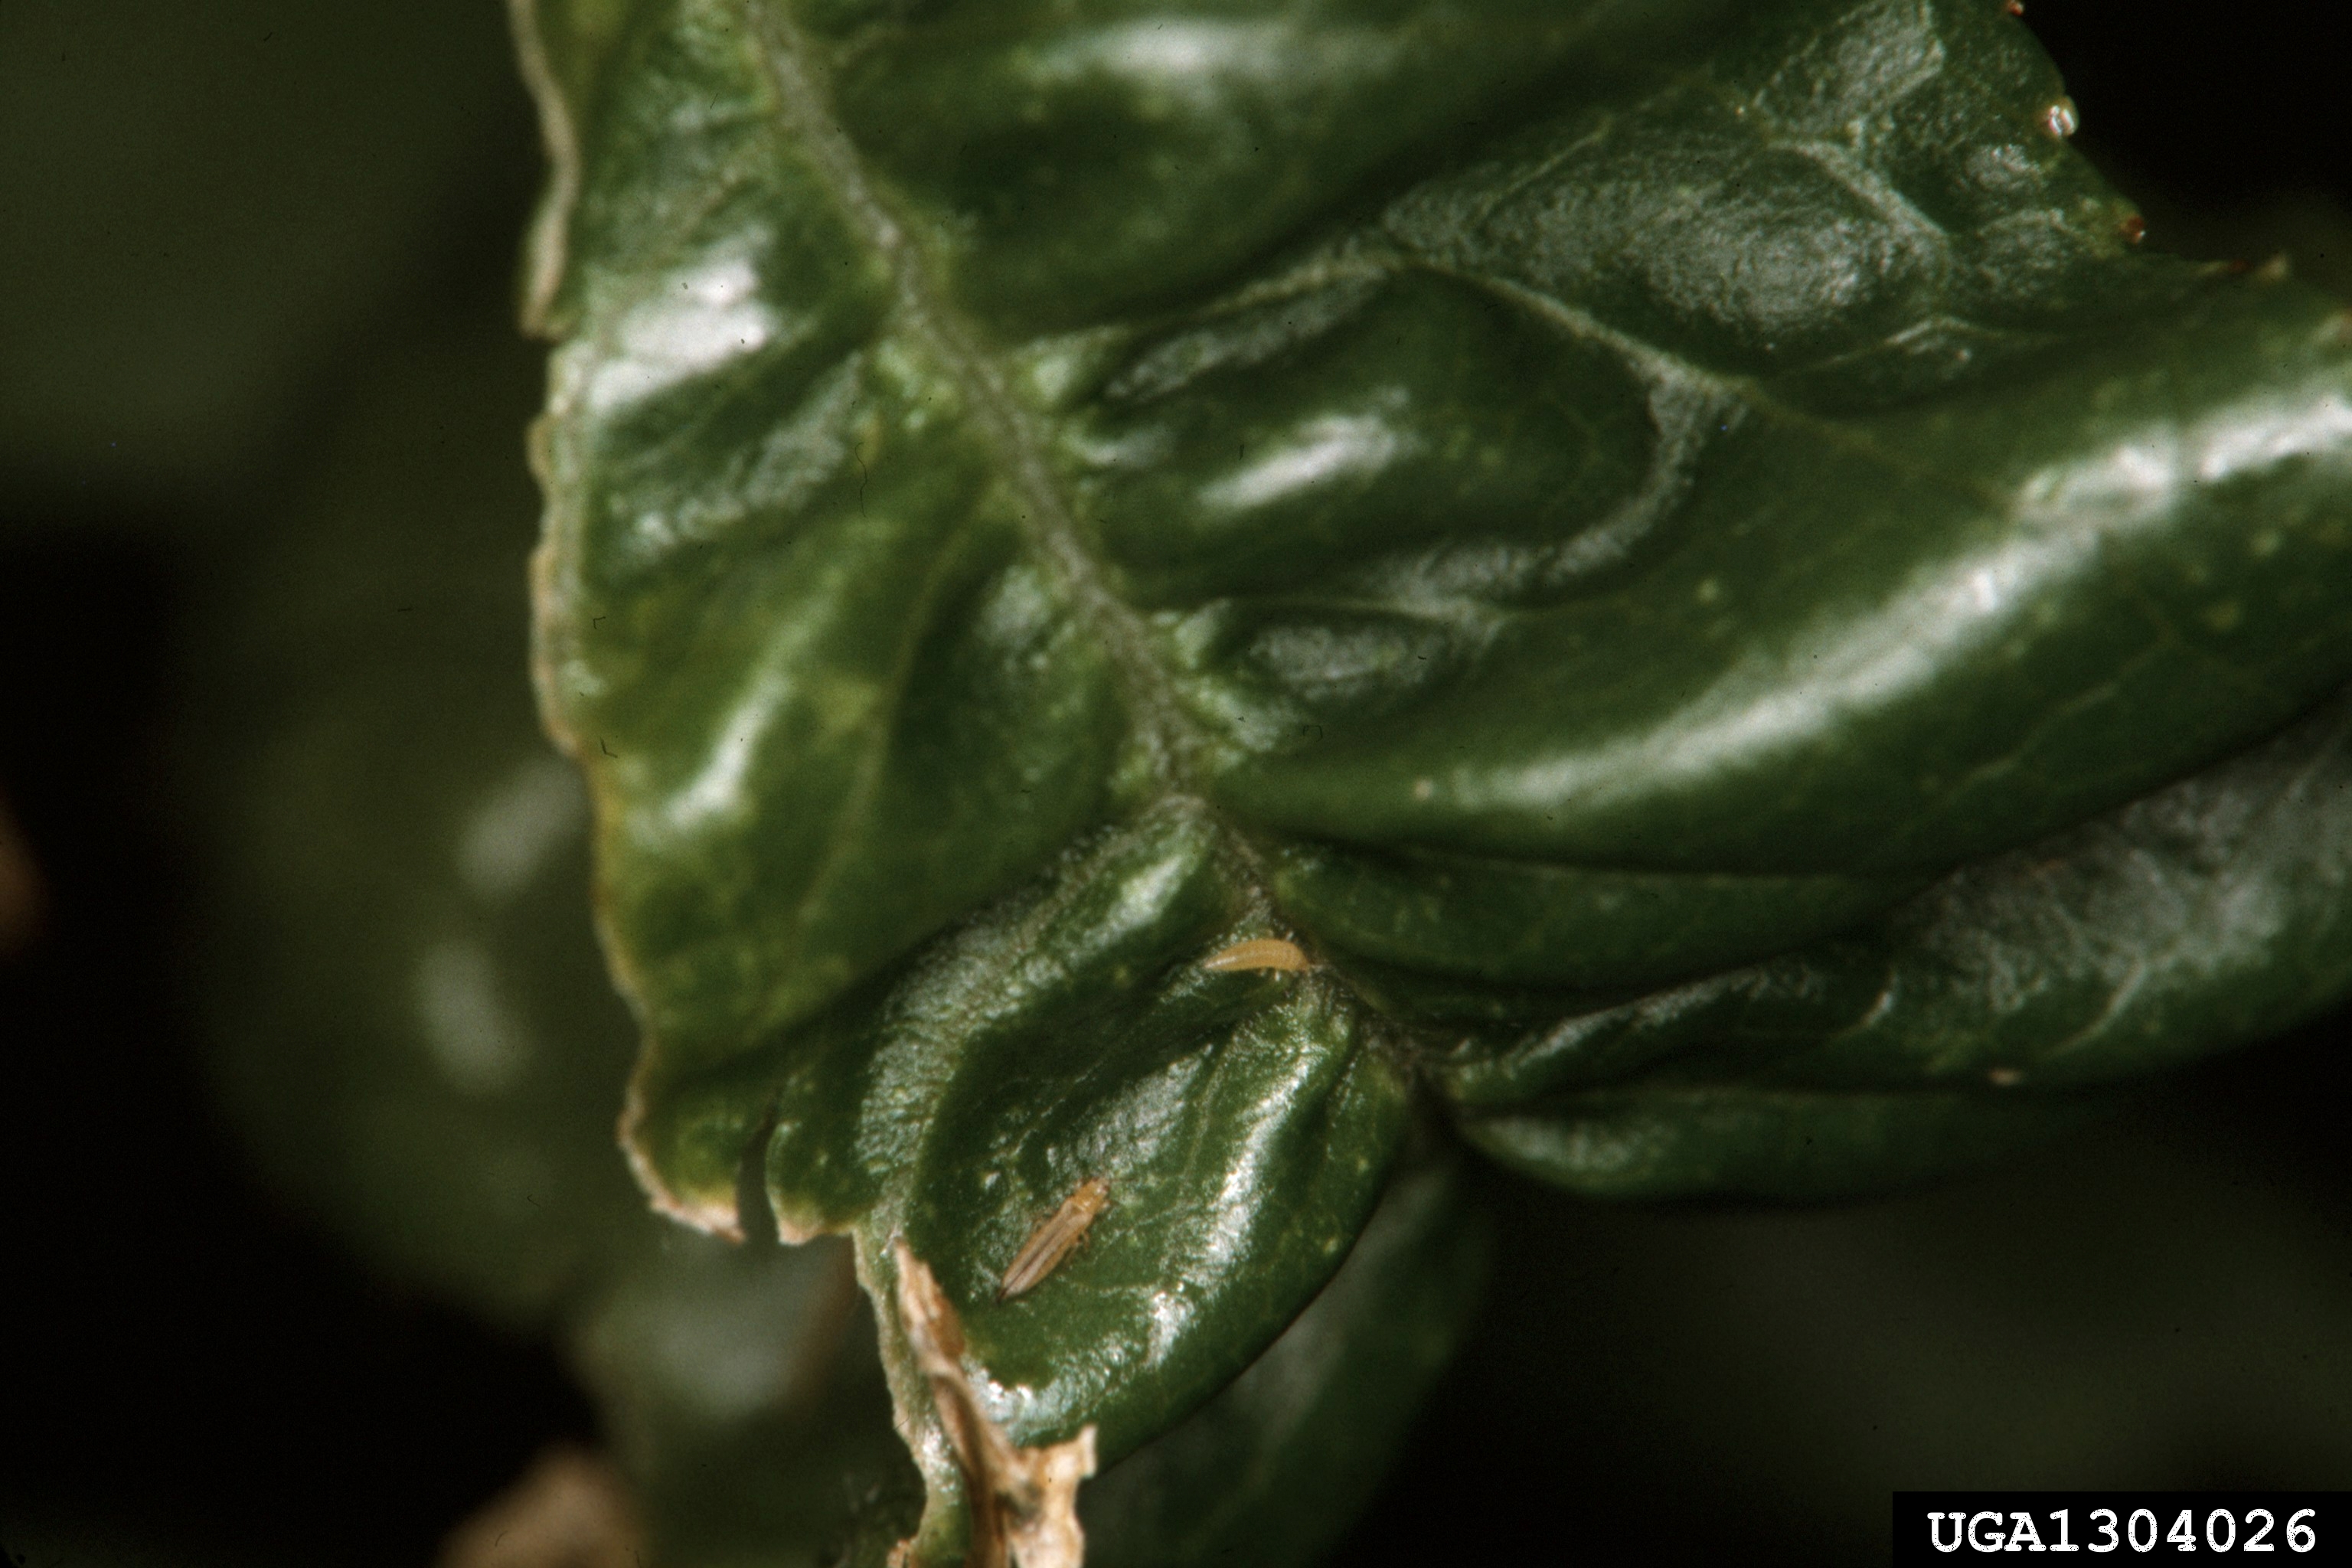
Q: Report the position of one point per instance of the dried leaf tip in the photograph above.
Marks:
(1053, 1241)
(1259, 952)
(1023, 1501)
(712, 1213)
(571, 1508)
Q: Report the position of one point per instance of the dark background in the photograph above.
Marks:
(209, 214)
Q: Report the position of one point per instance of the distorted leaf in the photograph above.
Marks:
(739, 1385)
(1542, 508)
(2208, 914)
(1020, 1506)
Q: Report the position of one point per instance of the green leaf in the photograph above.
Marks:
(1243, 1127)
(407, 1016)
(375, 803)
(1272, 1470)
(2203, 916)
(206, 208)
(1534, 504)
(408, 1021)
(744, 1401)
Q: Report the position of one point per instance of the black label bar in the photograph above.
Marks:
(2081, 1529)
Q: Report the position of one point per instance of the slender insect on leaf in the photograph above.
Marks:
(1024, 1500)
(1051, 1242)
(1259, 952)
(1627, 531)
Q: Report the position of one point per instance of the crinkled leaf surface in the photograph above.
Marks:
(2207, 914)
(1272, 1470)
(1541, 503)
(412, 1030)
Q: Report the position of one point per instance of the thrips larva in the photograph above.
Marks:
(1259, 952)
(1052, 1242)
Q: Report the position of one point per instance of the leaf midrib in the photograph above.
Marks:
(1178, 746)
(1175, 742)
(1172, 741)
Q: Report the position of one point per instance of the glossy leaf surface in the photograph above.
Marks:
(1242, 1125)
(1535, 505)
(2206, 915)
(1273, 1468)
(411, 1028)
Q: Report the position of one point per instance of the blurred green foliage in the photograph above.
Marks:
(250, 248)
(204, 208)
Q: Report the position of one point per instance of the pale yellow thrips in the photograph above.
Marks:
(1259, 952)
(1051, 1242)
